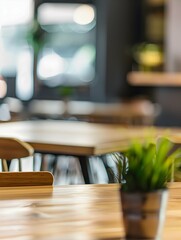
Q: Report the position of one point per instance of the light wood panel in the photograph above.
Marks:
(73, 212)
(154, 79)
(11, 148)
(16, 179)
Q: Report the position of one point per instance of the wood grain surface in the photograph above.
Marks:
(11, 148)
(85, 212)
(76, 138)
(15, 179)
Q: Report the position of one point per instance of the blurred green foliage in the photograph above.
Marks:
(146, 166)
(148, 56)
(65, 91)
(35, 36)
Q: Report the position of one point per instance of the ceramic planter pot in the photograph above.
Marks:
(144, 214)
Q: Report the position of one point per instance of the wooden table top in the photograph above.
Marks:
(85, 212)
(79, 138)
(76, 138)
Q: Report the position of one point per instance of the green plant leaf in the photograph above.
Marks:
(147, 166)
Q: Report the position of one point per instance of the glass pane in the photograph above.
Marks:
(15, 21)
(67, 55)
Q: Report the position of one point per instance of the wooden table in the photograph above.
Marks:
(74, 138)
(79, 212)
(79, 139)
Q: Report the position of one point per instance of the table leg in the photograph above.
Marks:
(44, 165)
(54, 164)
(85, 167)
(108, 169)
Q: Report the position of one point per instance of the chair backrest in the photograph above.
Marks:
(20, 179)
(13, 148)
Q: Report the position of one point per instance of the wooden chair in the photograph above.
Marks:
(12, 148)
(20, 179)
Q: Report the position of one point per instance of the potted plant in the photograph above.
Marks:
(143, 172)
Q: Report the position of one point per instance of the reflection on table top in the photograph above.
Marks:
(77, 138)
(73, 212)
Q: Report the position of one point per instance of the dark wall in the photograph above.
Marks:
(169, 99)
(119, 28)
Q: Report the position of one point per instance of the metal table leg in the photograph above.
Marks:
(85, 167)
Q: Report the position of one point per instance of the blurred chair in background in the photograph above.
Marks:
(132, 112)
(15, 108)
(4, 113)
(11, 149)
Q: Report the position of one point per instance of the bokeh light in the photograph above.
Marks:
(3, 88)
(84, 14)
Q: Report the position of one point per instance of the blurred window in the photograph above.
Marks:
(61, 41)
(15, 21)
(67, 55)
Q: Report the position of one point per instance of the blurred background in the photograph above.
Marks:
(82, 52)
